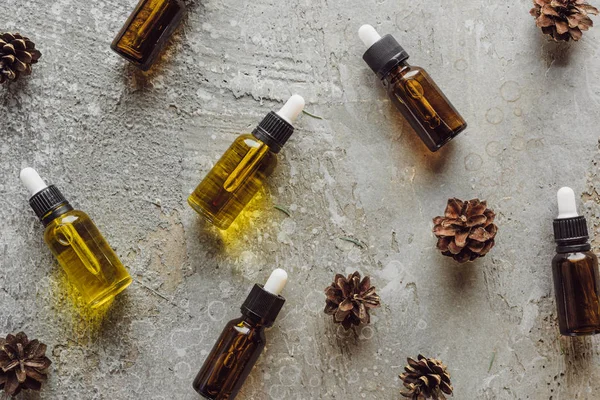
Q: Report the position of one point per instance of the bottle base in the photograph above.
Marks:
(111, 292)
(454, 134)
(205, 396)
(142, 64)
(206, 215)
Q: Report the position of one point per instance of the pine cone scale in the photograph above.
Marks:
(346, 305)
(12, 385)
(445, 387)
(454, 208)
(340, 315)
(460, 239)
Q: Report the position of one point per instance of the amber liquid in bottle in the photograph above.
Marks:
(147, 30)
(90, 263)
(233, 181)
(423, 105)
(577, 290)
(231, 359)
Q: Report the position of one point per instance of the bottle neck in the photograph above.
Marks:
(397, 72)
(56, 212)
(573, 246)
(263, 142)
(253, 320)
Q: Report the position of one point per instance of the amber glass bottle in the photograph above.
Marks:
(147, 30)
(575, 271)
(243, 168)
(241, 342)
(412, 90)
(88, 260)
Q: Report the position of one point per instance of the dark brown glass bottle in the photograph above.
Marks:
(231, 360)
(147, 30)
(241, 342)
(411, 89)
(576, 275)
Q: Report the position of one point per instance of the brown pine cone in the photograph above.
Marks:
(563, 19)
(17, 54)
(466, 231)
(349, 300)
(426, 378)
(22, 364)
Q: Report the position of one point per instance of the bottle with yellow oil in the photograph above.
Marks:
(241, 171)
(90, 263)
(147, 30)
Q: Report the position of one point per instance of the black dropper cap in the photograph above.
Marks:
(570, 229)
(274, 131)
(384, 55)
(571, 234)
(49, 203)
(262, 305)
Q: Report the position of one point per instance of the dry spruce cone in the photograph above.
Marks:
(425, 378)
(22, 364)
(17, 53)
(349, 300)
(563, 19)
(466, 231)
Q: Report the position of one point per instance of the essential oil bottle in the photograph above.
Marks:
(241, 171)
(90, 263)
(147, 30)
(241, 342)
(575, 271)
(412, 90)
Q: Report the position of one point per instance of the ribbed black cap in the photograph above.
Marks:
(47, 200)
(262, 305)
(384, 55)
(570, 230)
(274, 131)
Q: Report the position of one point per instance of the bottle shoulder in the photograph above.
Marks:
(247, 142)
(405, 72)
(245, 327)
(69, 218)
(575, 257)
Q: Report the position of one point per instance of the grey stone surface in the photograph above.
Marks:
(128, 148)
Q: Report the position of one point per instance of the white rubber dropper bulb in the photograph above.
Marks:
(567, 205)
(276, 282)
(292, 108)
(368, 35)
(32, 180)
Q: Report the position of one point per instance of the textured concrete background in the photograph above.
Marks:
(129, 147)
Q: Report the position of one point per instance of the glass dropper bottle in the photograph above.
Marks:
(241, 342)
(412, 90)
(90, 263)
